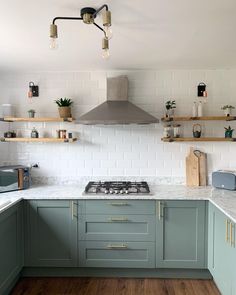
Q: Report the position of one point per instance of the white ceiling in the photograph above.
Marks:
(147, 34)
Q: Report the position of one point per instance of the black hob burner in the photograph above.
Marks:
(117, 187)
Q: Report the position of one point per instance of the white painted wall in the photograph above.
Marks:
(118, 151)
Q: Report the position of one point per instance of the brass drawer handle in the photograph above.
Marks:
(123, 246)
(232, 241)
(114, 219)
(118, 204)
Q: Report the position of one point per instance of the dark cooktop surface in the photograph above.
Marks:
(117, 187)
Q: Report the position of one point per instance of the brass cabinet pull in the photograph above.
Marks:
(160, 210)
(72, 210)
(227, 238)
(118, 219)
(232, 238)
(118, 204)
(122, 246)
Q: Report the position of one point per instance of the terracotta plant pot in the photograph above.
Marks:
(65, 112)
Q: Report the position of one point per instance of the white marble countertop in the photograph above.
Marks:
(224, 200)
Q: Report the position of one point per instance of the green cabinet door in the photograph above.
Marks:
(180, 236)
(11, 246)
(51, 233)
(221, 251)
(211, 237)
(233, 261)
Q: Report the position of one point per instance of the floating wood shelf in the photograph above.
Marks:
(43, 139)
(204, 118)
(201, 139)
(42, 119)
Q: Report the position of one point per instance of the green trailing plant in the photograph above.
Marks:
(64, 102)
(228, 132)
(170, 104)
(31, 111)
(227, 107)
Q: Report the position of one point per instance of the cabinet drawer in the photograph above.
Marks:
(119, 207)
(117, 254)
(117, 227)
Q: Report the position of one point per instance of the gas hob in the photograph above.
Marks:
(117, 187)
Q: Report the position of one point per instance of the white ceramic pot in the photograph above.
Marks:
(227, 112)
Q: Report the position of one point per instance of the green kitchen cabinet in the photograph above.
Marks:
(11, 246)
(181, 234)
(51, 233)
(221, 251)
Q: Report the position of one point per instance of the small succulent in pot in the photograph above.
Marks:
(228, 132)
(64, 107)
(227, 109)
(170, 106)
(31, 113)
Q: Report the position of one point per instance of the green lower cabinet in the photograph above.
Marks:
(181, 234)
(11, 246)
(51, 233)
(117, 254)
(221, 251)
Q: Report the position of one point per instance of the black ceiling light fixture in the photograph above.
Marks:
(88, 15)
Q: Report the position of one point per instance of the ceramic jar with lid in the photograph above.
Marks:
(167, 132)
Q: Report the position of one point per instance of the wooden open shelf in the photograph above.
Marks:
(201, 139)
(43, 139)
(42, 119)
(204, 118)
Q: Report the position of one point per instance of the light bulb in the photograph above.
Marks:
(105, 53)
(53, 43)
(108, 32)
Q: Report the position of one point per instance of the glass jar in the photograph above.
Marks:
(176, 130)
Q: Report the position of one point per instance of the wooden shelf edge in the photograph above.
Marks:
(40, 119)
(204, 118)
(47, 139)
(201, 139)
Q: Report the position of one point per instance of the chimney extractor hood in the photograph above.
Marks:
(117, 109)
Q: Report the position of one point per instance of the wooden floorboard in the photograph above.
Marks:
(113, 286)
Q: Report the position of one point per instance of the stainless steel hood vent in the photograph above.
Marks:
(117, 109)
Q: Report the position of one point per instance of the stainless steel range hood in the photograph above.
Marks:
(117, 109)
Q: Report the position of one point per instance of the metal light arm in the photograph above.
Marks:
(66, 18)
(99, 9)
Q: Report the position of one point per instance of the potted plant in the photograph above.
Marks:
(31, 113)
(228, 132)
(64, 107)
(227, 109)
(170, 106)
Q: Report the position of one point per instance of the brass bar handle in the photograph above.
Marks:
(160, 210)
(232, 238)
(118, 204)
(72, 210)
(227, 231)
(114, 219)
(122, 246)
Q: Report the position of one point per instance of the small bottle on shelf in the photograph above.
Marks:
(200, 109)
(194, 109)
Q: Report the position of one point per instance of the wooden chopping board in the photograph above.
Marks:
(192, 169)
(202, 167)
(196, 168)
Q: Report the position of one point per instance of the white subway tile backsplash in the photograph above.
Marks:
(116, 151)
